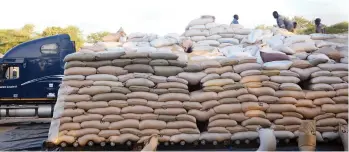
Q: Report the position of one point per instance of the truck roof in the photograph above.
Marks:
(31, 49)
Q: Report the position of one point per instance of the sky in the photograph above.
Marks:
(160, 16)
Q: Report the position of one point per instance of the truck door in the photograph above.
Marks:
(10, 81)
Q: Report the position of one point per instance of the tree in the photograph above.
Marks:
(263, 27)
(341, 27)
(10, 38)
(74, 32)
(96, 37)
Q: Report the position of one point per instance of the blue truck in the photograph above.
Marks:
(30, 75)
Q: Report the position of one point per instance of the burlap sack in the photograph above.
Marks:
(166, 56)
(107, 133)
(86, 105)
(294, 94)
(330, 122)
(143, 95)
(105, 111)
(274, 116)
(112, 118)
(339, 73)
(124, 78)
(218, 116)
(108, 83)
(168, 85)
(246, 106)
(133, 55)
(127, 123)
(137, 109)
(219, 70)
(123, 138)
(159, 91)
(174, 97)
(232, 93)
(268, 99)
(85, 131)
(288, 121)
(139, 89)
(218, 82)
(321, 73)
(149, 116)
(176, 79)
(319, 94)
(227, 108)
(247, 97)
(292, 114)
(69, 105)
(326, 80)
(305, 103)
(180, 124)
(222, 123)
(71, 64)
(177, 63)
(254, 78)
(80, 56)
(324, 116)
(70, 126)
(309, 113)
(208, 77)
(189, 131)
(256, 121)
(192, 78)
(213, 89)
(78, 84)
(167, 70)
(228, 62)
(149, 132)
(93, 90)
(342, 92)
(302, 64)
(102, 77)
(255, 113)
(185, 117)
(333, 67)
(172, 104)
(169, 132)
(95, 124)
(287, 100)
(278, 127)
(158, 79)
(203, 96)
(228, 100)
(345, 79)
(321, 87)
(170, 111)
(321, 101)
(111, 70)
(121, 62)
(87, 117)
(109, 96)
(340, 86)
(231, 75)
(304, 74)
(141, 68)
(270, 72)
(239, 117)
(131, 116)
(217, 130)
(261, 91)
(250, 73)
(193, 67)
(343, 115)
(284, 79)
(234, 86)
(271, 84)
(340, 99)
(192, 105)
(159, 62)
(118, 103)
(210, 64)
(152, 124)
(178, 90)
(63, 120)
(201, 115)
(139, 82)
(290, 87)
(278, 108)
(72, 112)
(209, 104)
(247, 66)
(73, 77)
(253, 84)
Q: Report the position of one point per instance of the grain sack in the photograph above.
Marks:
(159, 91)
(93, 90)
(253, 84)
(303, 47)
(250, 73)
(143, 95)
(319, 94)
(217, 130)
(107, 133)
(102, 77)
(89, 104)
(255, 113)
(209, 104)
(149, 116)
(294, 94)
(69, 105)
(127, 123)
(278, 65)
(210, 64)
(321, 73)
(330, 135)
(118, 103)
(274, 116)
(131, 116)
(231, 75)
(330, 122)
(292, 114)
(234, 86)
(159, 62)
(213, 89)
(123, 138)
(222, 123)
(188, 138)
(112, 118)
(246, 106)
(302, 64)
(250, 135)
(309, 113)
(218, 116)
(185, 117)
(72, 112)
(340, 99)
(168, 85)
(63, 120)
(256, 121)
(334, 67)
(192, 105)
(105, 111)
(342, 92)
(178, 90)
(284, 134)
(228, 100)
(193, 67)
(339, 73)
(228, 62)
(268, 99)
(109, 96)
(321, 87)
(80, 56)
(172, 104)
(177, 63)
(111, 70)
(239, 117)
(121, 62)
(270, 72)
(73, 77)
(326, 80)
(247, 97)
(82, 132)
(254, 78)
(247, 66)
(218, 82)
(139, 82)
(278, 108)
(139, 89)
(271, 84)
(175, 79)
(201, 115)
(288, 121)
(137, 109)
(189, 131)
(96, 64)
(169, 132)
(78, 84)
(167, 70)
(192, 78)
(288, 73)
(108, 83)
(304, 74)
(69, 126)
(80, 71)
(180, 124)
(324, 116)
(290, 87)
(95, 124)
(157, 79)
(87, 117)
(203, 96)
(170, 111)
(261, 91)
(227, 108)
(236, 129)
(173, 97)
(208, 77)
(141, 68)
(219, 70)
(152, 124)
(305, 103)
(149, 132)
(284, 79)
(233, 94)
(343, 115)
(124, 78)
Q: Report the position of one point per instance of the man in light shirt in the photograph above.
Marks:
(283, 22)
(187, 45)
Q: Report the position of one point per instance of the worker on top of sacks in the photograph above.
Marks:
(319, 28)
(283, 22)
(235, 20)
(187, 45)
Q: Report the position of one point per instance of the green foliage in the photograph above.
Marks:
(9, 38)
(95, 37)
(74, 32)
(304, 26)
(263, 27)
(341, 27)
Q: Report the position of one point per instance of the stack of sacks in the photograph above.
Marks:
(332, 95)
(140, 42)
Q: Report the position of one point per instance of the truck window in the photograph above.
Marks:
(49, 48)
(12, 72)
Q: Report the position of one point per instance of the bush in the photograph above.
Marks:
(341, 27)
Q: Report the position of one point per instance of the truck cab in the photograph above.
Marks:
(31, 72)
